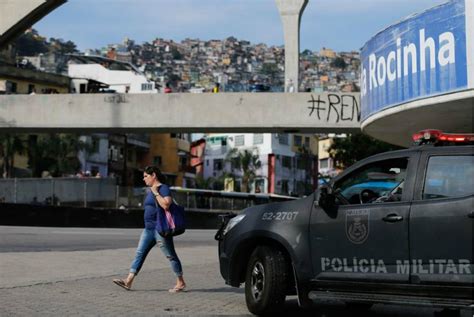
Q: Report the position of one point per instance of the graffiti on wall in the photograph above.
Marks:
(334, 108)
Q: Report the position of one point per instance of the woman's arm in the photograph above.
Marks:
(164, 202)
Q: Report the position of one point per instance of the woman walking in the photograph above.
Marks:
(158, 199)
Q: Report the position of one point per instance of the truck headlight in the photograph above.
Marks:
(232, 222)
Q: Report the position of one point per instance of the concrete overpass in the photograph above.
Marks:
(226, 112)
(223, 112)
(17, 16)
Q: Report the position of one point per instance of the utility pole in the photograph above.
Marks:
(290, 12)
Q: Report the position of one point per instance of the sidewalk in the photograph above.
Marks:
(80, 284)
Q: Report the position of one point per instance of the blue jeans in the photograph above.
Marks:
(148, 239)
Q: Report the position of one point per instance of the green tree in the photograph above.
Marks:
(176, 54)
(270, 69)
(247, 163)
(61, 47)
(10, 145)
(347, 151)
(204, 183)
(339, 62)
(31, 44)
(57, 153)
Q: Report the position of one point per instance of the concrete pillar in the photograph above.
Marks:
(290, 12)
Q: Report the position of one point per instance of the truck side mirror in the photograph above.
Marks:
(327, 199)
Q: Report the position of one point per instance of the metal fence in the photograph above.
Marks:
(86, 192)
(103, 192)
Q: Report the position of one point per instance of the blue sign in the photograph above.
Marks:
(422, 56)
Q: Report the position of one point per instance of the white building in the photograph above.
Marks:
(120, 77)
(284, 168)
(95, 161)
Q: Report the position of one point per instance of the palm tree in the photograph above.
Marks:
(204, 183)
(246, 162)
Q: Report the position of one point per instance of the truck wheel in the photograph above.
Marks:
(266, 281)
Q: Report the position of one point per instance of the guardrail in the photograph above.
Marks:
(201, 199)
(104, 193)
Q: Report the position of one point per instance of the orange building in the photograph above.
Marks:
(171, 153)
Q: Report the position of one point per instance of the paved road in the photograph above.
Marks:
(41, 239)
(68, 272)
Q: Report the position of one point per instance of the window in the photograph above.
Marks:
(147, 86)
(376, 182)
(235, 163)
(239, 140)
(238, 185)
(218, 140)
(113, 153)
(283, 138)
(31, 88)
(218, 164)
(259, 186)
(297, 140)
(284, 186)
(13, 87)
(183, 162)
(303, 163)
(157, 161)
(306, 142)
(176, 136)
(286, 161)
(449, 176)
(324, 163)
(258, 138)
(95, 144)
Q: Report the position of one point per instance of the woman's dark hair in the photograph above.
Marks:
(154, 169)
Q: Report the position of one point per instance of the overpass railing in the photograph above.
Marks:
(104, 193)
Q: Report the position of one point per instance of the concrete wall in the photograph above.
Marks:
(236, 112)
(53, 216)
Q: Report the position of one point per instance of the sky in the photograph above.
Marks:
(342, 25)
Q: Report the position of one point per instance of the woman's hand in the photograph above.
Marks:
(154, 190)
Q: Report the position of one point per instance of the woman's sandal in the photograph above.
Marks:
(177, 289)
(121, 283)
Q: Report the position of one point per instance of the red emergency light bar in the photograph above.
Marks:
(434, 136)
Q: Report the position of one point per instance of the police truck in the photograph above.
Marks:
(393, 228)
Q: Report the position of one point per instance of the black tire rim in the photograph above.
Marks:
(257, 281)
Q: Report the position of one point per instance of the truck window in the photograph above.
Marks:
(449, 176)
(376, 182)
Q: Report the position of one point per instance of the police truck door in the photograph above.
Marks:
(364, 239)
(442, 220)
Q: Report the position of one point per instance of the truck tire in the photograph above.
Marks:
(266, 281)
